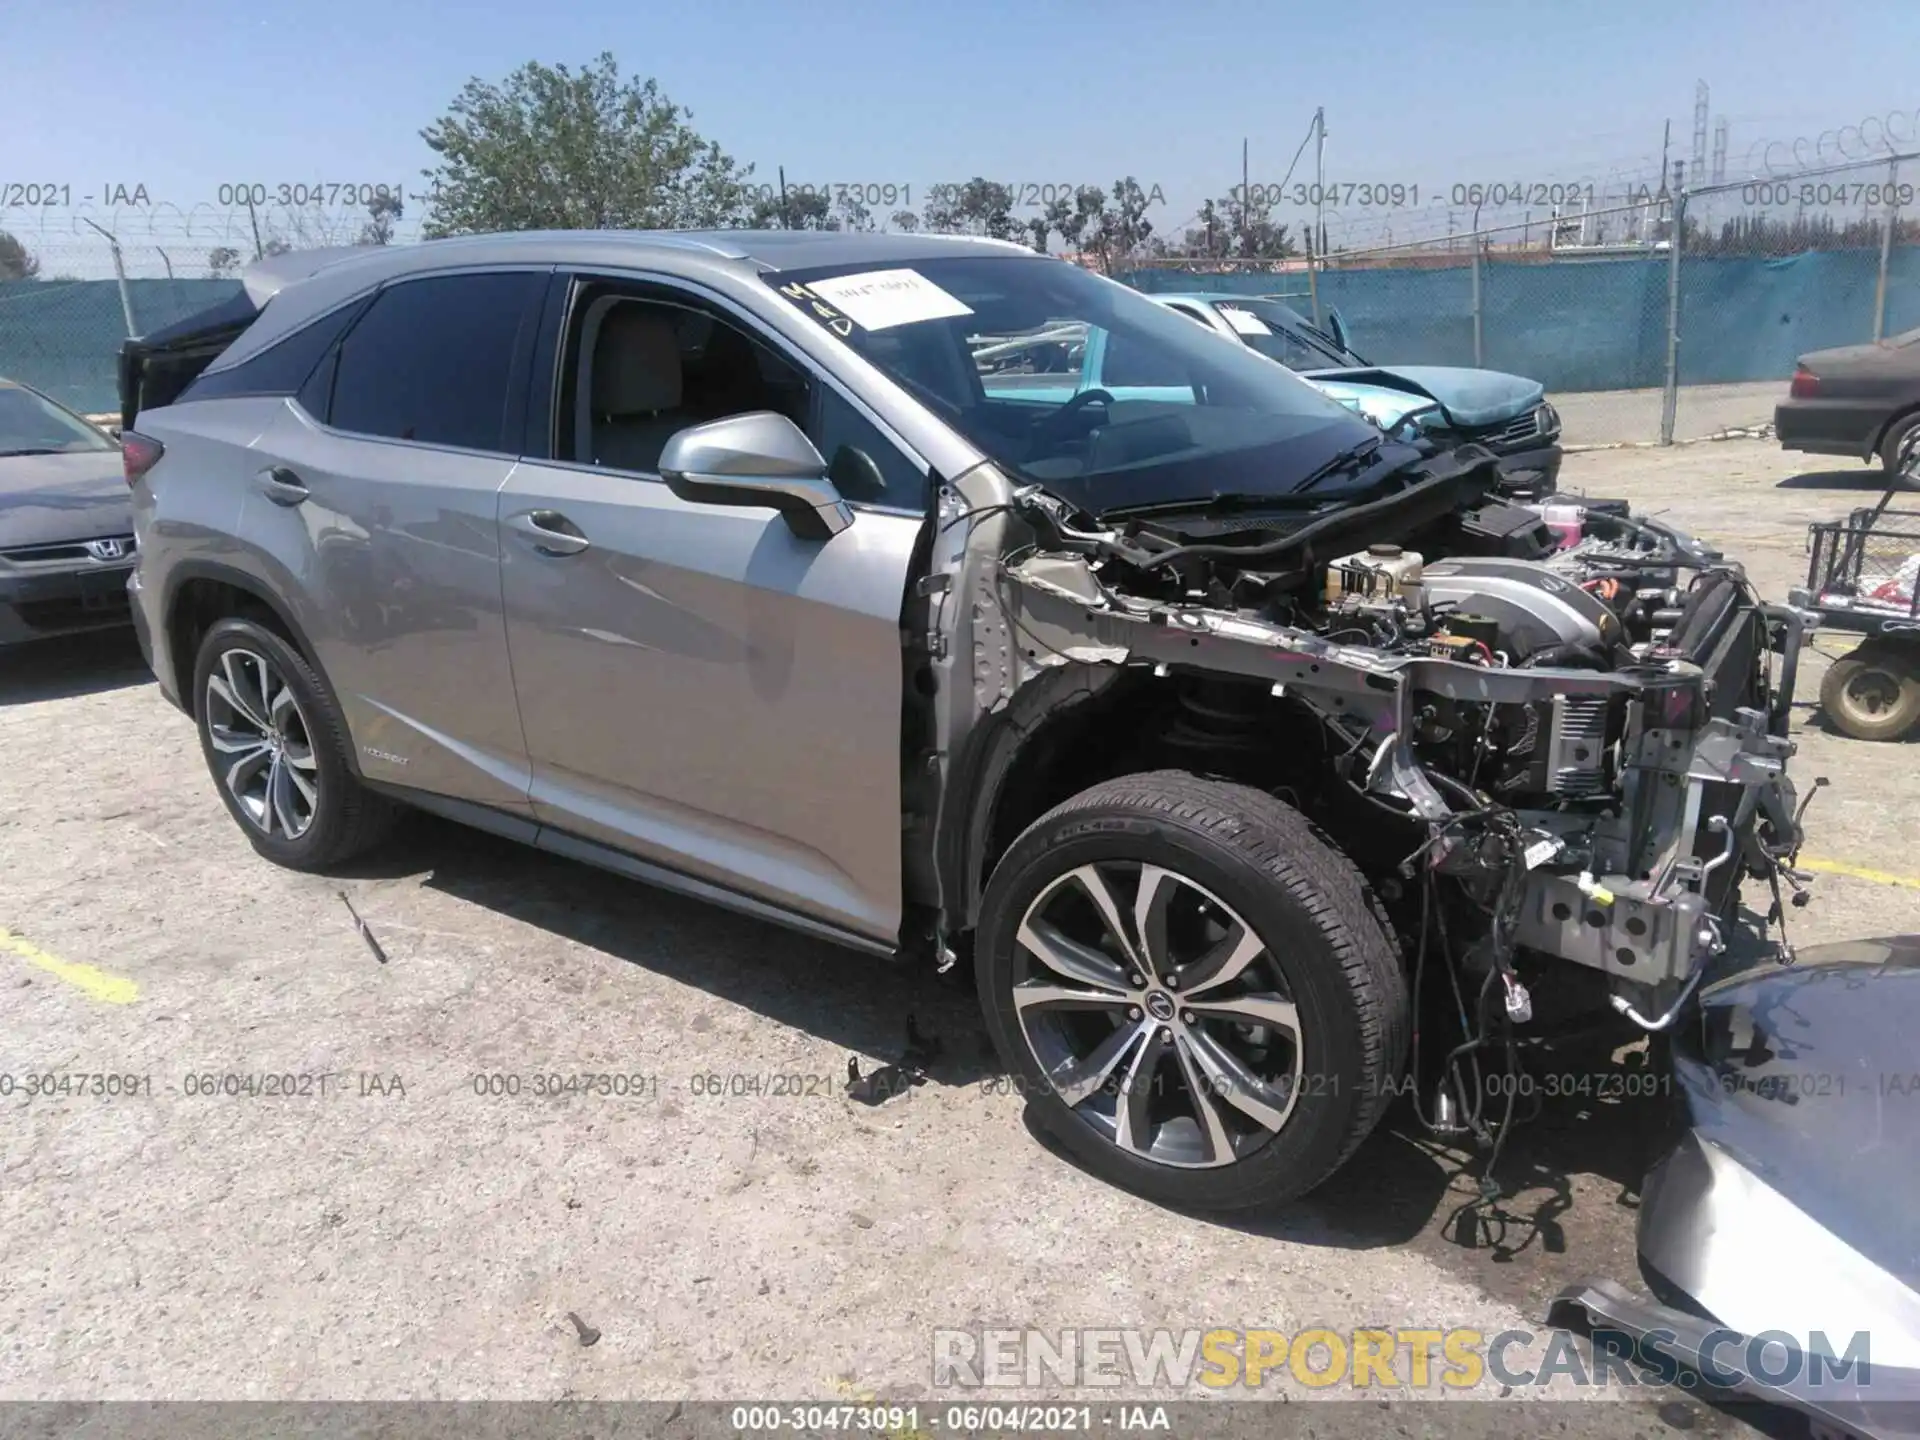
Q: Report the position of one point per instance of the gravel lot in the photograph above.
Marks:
(402, 1236)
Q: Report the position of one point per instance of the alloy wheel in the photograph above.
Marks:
(265, 748)
(1157, 1014)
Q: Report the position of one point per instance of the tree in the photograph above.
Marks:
(385, 208)
(1118, 230)
(1073, 220)
(907, 222)
(850, 214)
(223, 262)
(799, 209)
(1229, 229)
(979, 207)
(16, 261)
(555, 148)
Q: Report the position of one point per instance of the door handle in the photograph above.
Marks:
(550, 531)
(280, 485)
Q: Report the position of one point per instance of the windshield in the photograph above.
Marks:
(1078, 383)
(1279, 334)
(31, 424)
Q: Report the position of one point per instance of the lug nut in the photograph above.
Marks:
(1133, 1012)
(1166, 1034)
(1186, 1017)
(1172, 982)
(1136, 980)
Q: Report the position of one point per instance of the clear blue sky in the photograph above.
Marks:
(185, 97)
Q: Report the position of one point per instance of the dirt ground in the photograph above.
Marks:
(394, 1233)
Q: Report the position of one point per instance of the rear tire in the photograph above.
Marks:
(1223, 873)
(1874, 692)
(277, 748)
(1895, 440)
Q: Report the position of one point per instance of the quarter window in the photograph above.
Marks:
(284, 366)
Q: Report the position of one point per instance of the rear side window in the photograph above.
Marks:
(432, 359)
(283, 367)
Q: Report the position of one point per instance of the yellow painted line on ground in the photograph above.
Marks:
(1857, 872)
(94, 983)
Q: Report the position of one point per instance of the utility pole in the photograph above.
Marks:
(786, 220)
(1246, 199)
(1319, 246)
(1319, 179)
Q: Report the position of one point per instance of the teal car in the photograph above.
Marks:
(1445, 404)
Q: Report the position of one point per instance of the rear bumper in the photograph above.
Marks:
(148, 626)
(43, 604)
(1830, 427)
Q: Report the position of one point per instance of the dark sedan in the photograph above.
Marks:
(66, 524)
(1858, 400)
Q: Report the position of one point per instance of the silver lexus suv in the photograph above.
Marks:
(951, 602)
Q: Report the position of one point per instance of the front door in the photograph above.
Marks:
(699, 686)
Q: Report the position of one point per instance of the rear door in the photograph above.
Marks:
(372, 501)
(699, 686)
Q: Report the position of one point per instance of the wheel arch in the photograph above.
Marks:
(1900, 416)
(1005, 770)
(200, 594)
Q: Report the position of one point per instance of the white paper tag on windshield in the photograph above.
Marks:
(881, 299)
(1245, 321)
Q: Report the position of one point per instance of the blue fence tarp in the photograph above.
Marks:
(1602, 324)
(63, 336)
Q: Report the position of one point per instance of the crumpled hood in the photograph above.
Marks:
(1470, 398)
(45, 499)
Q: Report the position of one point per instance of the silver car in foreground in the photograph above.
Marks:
(1207, 721)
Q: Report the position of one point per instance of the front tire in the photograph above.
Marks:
(1197, 992)
(276, 746)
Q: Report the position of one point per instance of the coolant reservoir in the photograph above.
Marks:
(1378, 572)
(1566, 522)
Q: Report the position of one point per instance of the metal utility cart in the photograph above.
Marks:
(1863, 578)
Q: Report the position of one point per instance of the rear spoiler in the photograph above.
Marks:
(155, 368)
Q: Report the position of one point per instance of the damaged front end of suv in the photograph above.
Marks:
(1552, 739)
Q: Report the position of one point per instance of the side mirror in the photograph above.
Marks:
(761, 460)
(1337, 328)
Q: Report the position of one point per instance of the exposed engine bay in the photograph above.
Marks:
(1558, 727)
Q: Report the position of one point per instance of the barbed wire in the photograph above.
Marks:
(1623, 206)
(1872, 137)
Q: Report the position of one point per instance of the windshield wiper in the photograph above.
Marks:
(33, 450)
(1355, 459)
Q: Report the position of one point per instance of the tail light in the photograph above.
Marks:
(139, 454)
(1805, 385)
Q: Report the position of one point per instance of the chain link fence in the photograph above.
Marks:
(94, 277)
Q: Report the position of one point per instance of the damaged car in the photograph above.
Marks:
(1221, 733)
(1440, 405)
